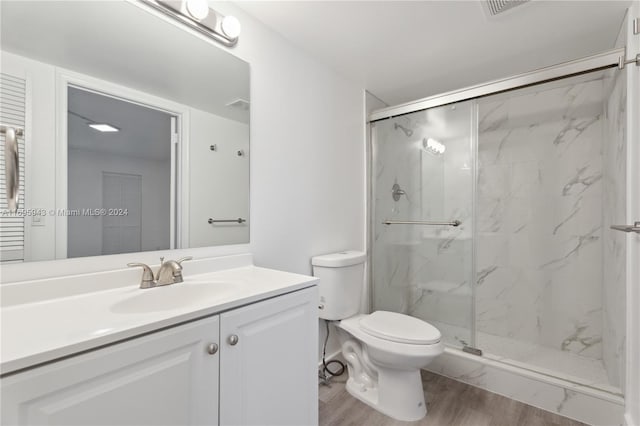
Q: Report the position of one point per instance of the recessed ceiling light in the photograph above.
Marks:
(101, 127)
(239, 103)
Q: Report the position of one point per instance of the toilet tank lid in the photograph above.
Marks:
(340, 259)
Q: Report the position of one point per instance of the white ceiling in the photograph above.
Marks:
(406, 50)
(144, 132)
(125, 44)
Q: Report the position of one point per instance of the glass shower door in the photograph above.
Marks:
(423, 172)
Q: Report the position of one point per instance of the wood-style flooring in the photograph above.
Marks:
(449, 403)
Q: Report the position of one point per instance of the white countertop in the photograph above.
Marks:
(44, 330)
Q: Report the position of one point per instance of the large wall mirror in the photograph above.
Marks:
(132, 133)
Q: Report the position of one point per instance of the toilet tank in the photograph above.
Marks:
(341, 279)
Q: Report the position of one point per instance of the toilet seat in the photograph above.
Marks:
(395, 327)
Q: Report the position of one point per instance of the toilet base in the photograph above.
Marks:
(398, 394)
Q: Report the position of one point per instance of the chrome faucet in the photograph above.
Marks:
(170, 272)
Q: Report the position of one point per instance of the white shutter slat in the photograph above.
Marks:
(12, 113)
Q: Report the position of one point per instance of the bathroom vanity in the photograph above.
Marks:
(210, 350)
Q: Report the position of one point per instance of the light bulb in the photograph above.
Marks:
(231, 27)
(433, 146)
(198, 9)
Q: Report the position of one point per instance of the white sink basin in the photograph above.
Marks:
(174, 296)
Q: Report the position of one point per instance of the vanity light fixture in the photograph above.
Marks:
(433, 146)
(103, 127)
(197, 15)
(231, 27)
(198, 9)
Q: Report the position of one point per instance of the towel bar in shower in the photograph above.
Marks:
(627, 228)
(421, 222)
(238, 220)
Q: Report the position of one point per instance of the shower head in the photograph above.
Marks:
(406, 131)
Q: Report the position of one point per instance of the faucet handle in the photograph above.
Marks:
(184, 259)
(148, 279)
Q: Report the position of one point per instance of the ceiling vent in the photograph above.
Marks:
(495, 7)
(239, 104)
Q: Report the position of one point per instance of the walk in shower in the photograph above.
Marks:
(490, 219)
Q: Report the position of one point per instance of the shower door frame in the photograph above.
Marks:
(605, 60)
(601, 61)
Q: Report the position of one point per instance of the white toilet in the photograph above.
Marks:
(384, 350)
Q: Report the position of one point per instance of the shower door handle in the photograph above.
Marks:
(627, 228)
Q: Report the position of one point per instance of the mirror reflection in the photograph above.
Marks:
(117, 151)
(135, 133)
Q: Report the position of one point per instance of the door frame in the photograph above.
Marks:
(632, 367)
(607, 59)
(180, 202)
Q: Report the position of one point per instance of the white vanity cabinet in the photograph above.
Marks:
(190, 374)
(268, 362)
(163, 378)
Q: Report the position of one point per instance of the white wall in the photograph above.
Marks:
(307, 151)
(85, 192)
(217, 179)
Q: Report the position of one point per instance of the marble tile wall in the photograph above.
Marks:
(614, 212)
(540, 219)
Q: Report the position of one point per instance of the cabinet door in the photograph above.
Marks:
(269, 377)
(165, 378)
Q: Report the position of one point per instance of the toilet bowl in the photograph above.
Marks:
(384, 350)
(384, 367)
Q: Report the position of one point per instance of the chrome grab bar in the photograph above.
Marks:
(627, 228)
(238, 220)
(12, 164)
(421, 222)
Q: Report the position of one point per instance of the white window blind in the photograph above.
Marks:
(12, 113)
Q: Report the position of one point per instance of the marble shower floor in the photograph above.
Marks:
(449, 403)
(553, 362)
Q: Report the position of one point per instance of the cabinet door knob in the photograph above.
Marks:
(212, 348)
(233, 340)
